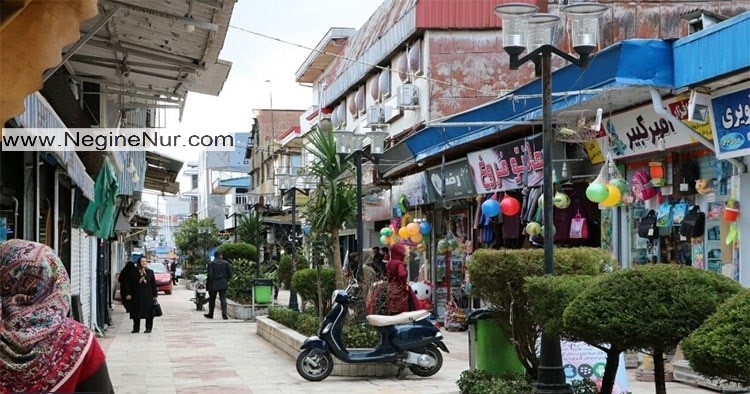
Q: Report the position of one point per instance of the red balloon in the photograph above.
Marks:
(510, 206)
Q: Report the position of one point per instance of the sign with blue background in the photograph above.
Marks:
(732, 118)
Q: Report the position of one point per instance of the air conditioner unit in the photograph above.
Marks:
(375, 116)
(407, 95)
(698, 107)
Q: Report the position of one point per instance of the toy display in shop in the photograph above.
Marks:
(423, 291)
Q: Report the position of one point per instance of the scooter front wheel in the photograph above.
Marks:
(314, 366)
(424, 372)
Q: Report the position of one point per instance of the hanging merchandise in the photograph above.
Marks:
(510, 206)
(732, 211)
(647, 227)
(561, 200)
(694, 223)
(597, 190)
(664, 215)
(656, 170)
(679, 212)
(491, 207)
(578, 227)
(641, 187)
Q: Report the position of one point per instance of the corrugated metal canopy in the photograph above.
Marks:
(146, 52)
(713, 52)
(161, 173)
(611, 70)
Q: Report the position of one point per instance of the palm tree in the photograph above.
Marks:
(334, 201)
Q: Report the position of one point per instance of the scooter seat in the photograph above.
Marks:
(401, 318)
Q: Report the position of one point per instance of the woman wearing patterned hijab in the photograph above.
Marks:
(41, 348)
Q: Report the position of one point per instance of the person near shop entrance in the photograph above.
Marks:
(43, 350)
(140, 290)
(219, 273)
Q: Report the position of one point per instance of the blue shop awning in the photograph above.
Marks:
(616, 67)
(713, 52)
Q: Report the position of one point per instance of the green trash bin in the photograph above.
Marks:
(262, 290)
(489, 350)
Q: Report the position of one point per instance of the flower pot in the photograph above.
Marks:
(731, 214)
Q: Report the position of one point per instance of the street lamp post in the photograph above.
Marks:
(349, 145)
(519, 20)
(287, 183)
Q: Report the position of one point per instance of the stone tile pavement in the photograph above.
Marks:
(187, 353)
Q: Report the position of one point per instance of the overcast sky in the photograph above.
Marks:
(256, 59)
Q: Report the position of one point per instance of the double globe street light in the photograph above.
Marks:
(350, 146)
(288, 184)
(524, 28)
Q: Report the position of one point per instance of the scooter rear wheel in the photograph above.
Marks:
(314, 366)
(424, 372)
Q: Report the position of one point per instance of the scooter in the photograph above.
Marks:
(407, 339)
(201, 293)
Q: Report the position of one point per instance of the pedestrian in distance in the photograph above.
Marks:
(127, 271)
(173, 271)
(219, 273)
(140, 287)
(43, 350)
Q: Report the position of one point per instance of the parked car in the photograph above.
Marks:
(163, 277)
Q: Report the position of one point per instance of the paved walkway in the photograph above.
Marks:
(187, 353)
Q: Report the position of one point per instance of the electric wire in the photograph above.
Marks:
(384, 68)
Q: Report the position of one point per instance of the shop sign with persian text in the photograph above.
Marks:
(731, 114)
(509, 166)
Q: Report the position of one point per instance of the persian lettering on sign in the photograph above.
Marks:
(509, 166)
(731, 114)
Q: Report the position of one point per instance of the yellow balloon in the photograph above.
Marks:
(614, 197)
(403, 232)
(416, 238)
(412, 228)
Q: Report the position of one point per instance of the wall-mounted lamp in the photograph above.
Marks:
(698, 107)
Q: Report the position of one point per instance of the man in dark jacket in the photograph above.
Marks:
(219, 273)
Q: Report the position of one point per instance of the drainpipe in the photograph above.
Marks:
(682, 127)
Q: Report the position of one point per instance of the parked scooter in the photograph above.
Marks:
(200, 297)
(407, 339)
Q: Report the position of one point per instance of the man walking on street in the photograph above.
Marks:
(219, 273)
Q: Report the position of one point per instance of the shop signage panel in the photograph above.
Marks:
(509, 166)
(678, 106)
(732, 119)
(458, 182)
(638, 131)
(414, 187)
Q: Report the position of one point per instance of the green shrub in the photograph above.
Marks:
(498, 277)
(552, 294)
(283, 316)
(651, 307)
(307, 325)
(360, 335)
(285, 271)
(305, 282)
(720, 348)
(240, 287)
(238, 250)
(484, 382)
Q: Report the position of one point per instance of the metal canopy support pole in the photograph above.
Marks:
(360, 235)
(83, 40)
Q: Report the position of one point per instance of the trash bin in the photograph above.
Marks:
(489, 350)
(262, 289)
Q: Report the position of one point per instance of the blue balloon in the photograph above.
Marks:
(425, 228)
(491, 208)
(306, 229)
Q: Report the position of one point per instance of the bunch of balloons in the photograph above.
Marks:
(607, 194)
(509, 206)
(415, 233)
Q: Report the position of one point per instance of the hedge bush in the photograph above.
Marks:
(484, 382)
(354, 335)
(651, 307)
(240, 288)
(551, 295)
(305, 282)
(720, 348)
(498, 277)
(238, 250)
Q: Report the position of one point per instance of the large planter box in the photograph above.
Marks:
(289, 342)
